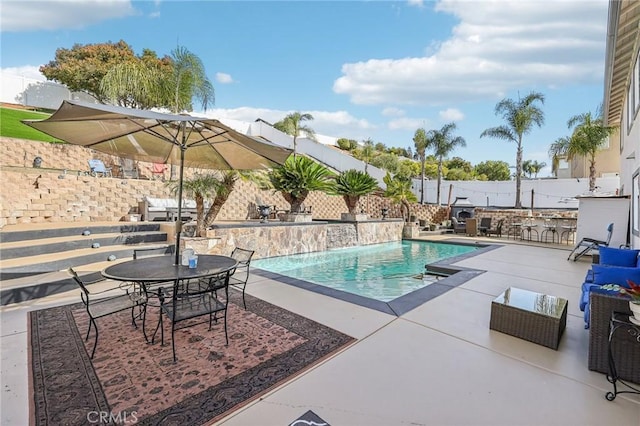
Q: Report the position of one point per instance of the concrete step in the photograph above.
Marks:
(38, 231)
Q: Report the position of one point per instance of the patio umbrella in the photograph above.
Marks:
(160, 138)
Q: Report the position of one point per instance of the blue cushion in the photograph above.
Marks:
(603, 274)
(618, 257)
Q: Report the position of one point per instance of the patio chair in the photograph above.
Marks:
(485, 224)
(128, 169)
(97, 168)
(241, 275)
(102, 307)
(497, 231)
(189, 302)
(157, 170)
(587, 244)
(458, 227)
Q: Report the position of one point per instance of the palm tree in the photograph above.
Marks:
(297, 177)
(216, 185)
(589, 135)
(520, 117)
(399, 191)
(420, 142)
(536, 167)
(366, 153)
(443, 143)
(292, 125)
(526, 168)
(558, 151)
(188, 80)
(353, 184)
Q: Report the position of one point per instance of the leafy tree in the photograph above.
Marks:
(459, 174)
(443, 142)
(380, 147)
(459, 163)
(297, 177)
(589, 135)
(399, 192)
(347, 144)
(351, 185)
(82, 67)
(408, 169)
(520, 117)
(366, 153)
(386, 161)
(293, 125)
(493, 170)
(420, 142)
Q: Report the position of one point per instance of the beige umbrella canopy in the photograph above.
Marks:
(159, 138)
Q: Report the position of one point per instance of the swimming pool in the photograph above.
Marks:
(383, 272)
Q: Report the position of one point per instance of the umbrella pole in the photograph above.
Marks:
(183, 147)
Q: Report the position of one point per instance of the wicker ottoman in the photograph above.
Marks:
(531, 316)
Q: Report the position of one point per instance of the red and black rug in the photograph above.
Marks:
(132, 382)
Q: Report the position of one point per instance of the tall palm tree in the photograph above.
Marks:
(367, 153)
(558, 151)
(188, 80)
(520, 117)
(536, 166)
(293, 125)
(526, 168)
(420, 142)
(443, 142)
(589, 135)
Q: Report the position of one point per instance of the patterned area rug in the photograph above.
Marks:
(132, 382)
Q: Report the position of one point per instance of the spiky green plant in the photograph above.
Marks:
(297, 177)
(351, 185)
(399, 191)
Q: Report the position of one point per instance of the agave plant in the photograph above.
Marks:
(353, 184)
(297, 177)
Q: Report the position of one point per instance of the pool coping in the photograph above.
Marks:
(405, 303)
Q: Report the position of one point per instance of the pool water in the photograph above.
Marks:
(380, 271)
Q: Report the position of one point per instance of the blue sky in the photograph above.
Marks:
(363, 69)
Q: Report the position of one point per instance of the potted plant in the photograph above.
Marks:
(295, 179)
(633, 291)
(351, 185)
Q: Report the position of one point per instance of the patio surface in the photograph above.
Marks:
(438, 364)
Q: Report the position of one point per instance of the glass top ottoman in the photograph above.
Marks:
(531, 316)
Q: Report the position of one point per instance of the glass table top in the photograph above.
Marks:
(544, 304)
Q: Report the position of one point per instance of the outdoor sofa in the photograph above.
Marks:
(157, 209)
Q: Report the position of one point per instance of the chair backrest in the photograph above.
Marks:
(152, 251)
(128, 167)
(97, 166)
(499, 225)
(610, 233)
(243, 256)
(78, 281)
(485, 222)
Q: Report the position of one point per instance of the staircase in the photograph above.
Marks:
(34, 258)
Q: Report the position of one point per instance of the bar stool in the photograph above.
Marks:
(529, 226)
(550, 226)
(515, 228)
(568, 231)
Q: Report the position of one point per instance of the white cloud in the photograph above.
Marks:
(416, 3)
(392, 112)
(497, 46)
(26, 71)
(223, 78)
(55, 14)
(451, 114)
(332, 123)
(406, 123)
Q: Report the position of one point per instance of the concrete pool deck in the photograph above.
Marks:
(438, 364)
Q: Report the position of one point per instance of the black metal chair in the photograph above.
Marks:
(497, 231)
(588, 244)
(241, 276)
(102, 307)
(192, 301)
(485, 224)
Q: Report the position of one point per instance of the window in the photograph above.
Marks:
(563, 164)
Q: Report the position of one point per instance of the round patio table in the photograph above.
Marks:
(161, 268)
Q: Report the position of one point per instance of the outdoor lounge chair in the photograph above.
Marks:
(102, 307)
(128, 169)
(497, 231)
(485, 224)
(97, 168)
(587, 244)
(458, 227)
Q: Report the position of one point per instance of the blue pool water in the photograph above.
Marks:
(381, 271)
